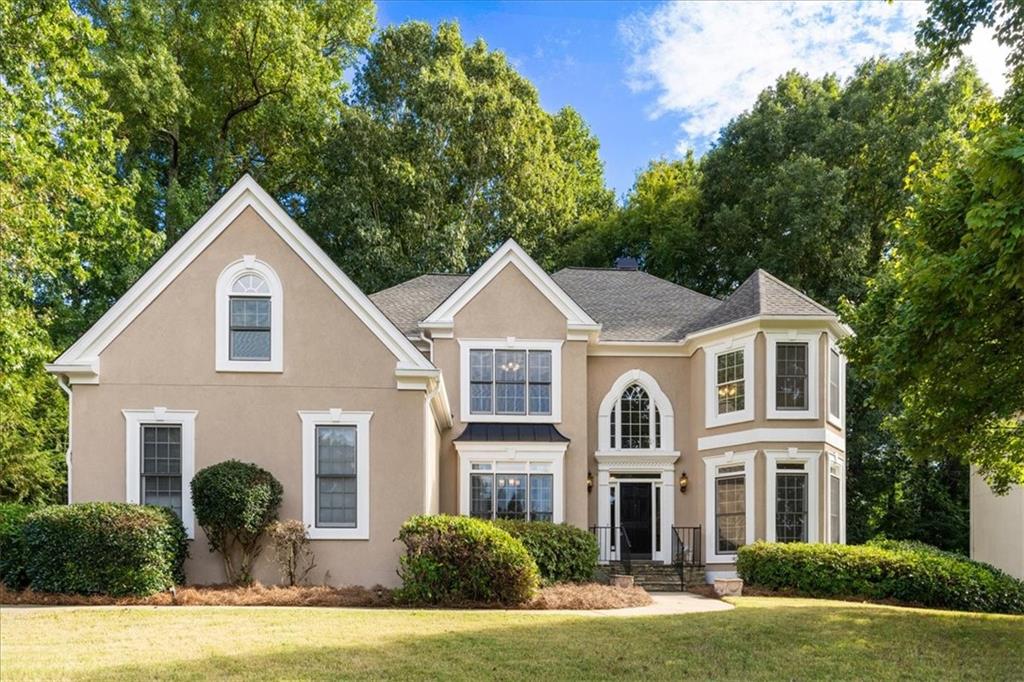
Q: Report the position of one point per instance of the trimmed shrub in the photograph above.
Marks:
(235, 502)
(906, 572)
(564, 553)
(459, 560)
(12, 545)
(104, 548)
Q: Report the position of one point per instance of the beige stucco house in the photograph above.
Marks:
(676, 426)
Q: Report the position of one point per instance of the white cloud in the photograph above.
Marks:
(707, 61)
(990, 59)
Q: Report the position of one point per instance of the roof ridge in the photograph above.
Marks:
(413, 279)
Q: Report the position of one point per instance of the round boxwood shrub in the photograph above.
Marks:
(12, 545)
(563, 553)
(907, 572)
(234, 503)
(104, 548)
(459, 560)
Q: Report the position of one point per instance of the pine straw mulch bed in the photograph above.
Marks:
(585, 596)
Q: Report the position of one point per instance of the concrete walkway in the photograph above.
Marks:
(665, 604)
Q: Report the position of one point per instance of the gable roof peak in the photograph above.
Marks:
(244, 194)
(510, 253)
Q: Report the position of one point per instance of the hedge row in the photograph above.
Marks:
(563, 553)
(94, 548)
(457, 559)
(906, 572)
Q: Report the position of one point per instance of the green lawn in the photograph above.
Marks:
(763, 638)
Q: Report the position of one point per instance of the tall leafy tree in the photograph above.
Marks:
(69, 243)
(943, 325)
(208, 90)
(445, 152)
(806, 183)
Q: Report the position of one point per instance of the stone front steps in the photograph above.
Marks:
(657, 577)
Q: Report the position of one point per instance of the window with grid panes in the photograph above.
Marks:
(161, 466)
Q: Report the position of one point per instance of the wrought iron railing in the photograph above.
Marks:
(687, 547)
(613, 545)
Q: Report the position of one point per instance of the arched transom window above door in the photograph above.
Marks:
(636, 415)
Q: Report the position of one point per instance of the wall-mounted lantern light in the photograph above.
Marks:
(684, 481)
(590, 481)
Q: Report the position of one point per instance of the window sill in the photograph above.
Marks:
(238, 366)
(790, 415)
(339, 534)
(729, 419)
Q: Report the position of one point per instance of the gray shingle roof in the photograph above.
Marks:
(762, 294)
(632, 305)
(408, 303)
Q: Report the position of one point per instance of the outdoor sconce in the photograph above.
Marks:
(590, 482)
(684, 481)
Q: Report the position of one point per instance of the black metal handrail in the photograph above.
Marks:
(687, 547)
(613, 545)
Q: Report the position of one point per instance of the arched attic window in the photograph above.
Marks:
(636, 415)
(249, 318)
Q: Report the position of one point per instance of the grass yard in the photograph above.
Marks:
(763, 638)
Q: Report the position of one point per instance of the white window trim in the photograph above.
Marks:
(810, 459)
(656, 395)
(247, 265)
(711, 467)
(711, 416)
(336, 417)
(840, 418)
(835, 459)
(511, 343)
(812, 341)
(552, 454)
(133, 421)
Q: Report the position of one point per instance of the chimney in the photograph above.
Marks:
(626, 263)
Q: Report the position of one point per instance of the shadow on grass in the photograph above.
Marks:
(747, 643)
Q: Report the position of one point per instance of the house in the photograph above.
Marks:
(676, 426)
(997, 526)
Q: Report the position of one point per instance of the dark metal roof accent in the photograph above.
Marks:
(512, 433)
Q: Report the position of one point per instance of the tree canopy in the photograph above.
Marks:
(69, 244)
(208, 90)
(443, 153)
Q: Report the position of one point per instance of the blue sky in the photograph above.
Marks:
(654, 78)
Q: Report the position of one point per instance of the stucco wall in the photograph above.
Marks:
(331, 360)
(997, 527)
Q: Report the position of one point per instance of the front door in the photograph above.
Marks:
(635, 517)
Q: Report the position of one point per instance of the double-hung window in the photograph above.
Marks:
(836, 399)
(792, 495)
(250, 318)
(729, 382)
(730, 509)
(729, 504)
(160, 460)
(791, 503)
(511, 491)
(793, 375)
(503, 383)
(161, 483)
(836, 503)
(336, 474)
(731, 389)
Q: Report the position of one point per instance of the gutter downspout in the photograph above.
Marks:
(430, 345)
(66, 387)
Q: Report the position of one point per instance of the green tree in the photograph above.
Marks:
(657, 225)
(806, 183)
(942, 328)
(68, 240)
(208, 90)
(444, 153)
